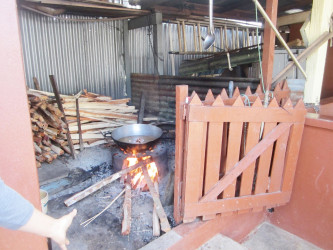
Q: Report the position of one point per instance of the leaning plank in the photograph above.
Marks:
(126, 223)
(84, 193)
(156, 221)
(165, 226)
(57, 95)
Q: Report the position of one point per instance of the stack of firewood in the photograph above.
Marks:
(97, 116)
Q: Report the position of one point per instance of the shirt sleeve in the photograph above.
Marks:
(15, 211)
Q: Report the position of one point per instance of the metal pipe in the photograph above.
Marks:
(266, 17)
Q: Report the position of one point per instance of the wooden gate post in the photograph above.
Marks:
(181, 94)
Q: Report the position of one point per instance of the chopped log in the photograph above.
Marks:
(57, 150)
(126, 223)
(38, 150)
(156, 221)
(84, 193)
(165, 226)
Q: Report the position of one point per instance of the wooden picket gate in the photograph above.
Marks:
(232, 154)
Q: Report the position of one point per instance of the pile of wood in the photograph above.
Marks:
(97, 116)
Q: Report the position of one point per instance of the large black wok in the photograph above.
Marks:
(136, 137)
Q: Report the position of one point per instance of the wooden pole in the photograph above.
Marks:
(79, 123)
(57, 96)
(36, 83)
(84, 193)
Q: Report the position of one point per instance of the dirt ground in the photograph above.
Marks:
(104, 232)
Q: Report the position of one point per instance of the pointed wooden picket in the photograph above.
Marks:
(194, 159)
(236, 93)
(252, 138)
(233, 148)
(209, 98)
(300, 105)
(224, 94)
(265, 158)
(288, 104)
(259, 90)
(213, 155)
(195, 100)
(248, 91)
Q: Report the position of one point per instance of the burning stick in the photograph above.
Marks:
(165, 226)
(156, 221)
(84, 193)
(126, 223)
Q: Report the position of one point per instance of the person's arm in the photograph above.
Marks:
(47, 226)
(17, 213)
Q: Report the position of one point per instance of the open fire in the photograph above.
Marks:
(137, 177)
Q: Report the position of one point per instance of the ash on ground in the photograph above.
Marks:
(105, 231)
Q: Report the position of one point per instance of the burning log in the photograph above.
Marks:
(156, 221)
(165, 226)
(126, 223)
(79, 196)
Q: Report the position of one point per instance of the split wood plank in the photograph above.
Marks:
(165, 226)
(79, 123)
(127, 214)
(84, 193)
(156, 221)
(36, 83)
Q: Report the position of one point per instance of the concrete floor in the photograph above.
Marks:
(268, 237)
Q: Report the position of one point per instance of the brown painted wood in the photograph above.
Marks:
(240, 166)
(265, 158)
(234, 141)
(181, 94)
(269, 43)
(278, 163)
(252, 139)
(235, 114)
(238, 203)
(213, 158)
(292, 156)
(196, 144)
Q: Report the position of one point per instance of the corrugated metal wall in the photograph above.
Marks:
(80, 54)
(141, 47)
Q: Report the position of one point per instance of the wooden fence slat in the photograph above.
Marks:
(264, 163)
(294, 145)
(181, 94)
(278, 163)
(240, 166)
(213, 157)
(235, 136)
(252, 139)
(236, 204)
(195, 159)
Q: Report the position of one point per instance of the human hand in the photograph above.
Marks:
(60, 229)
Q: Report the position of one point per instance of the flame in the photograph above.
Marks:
(137, 177)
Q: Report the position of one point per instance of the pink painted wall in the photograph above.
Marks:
(17, 163)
